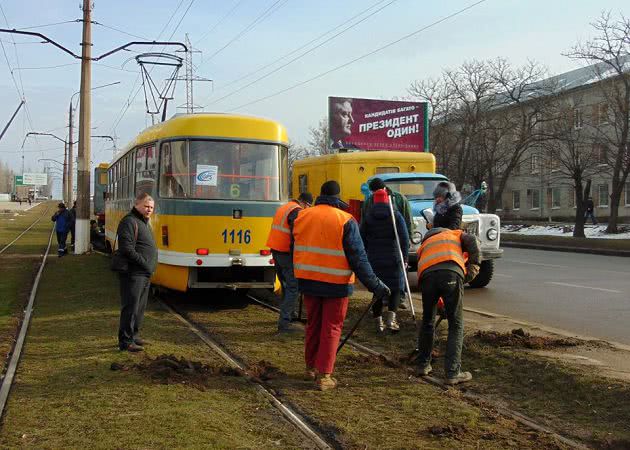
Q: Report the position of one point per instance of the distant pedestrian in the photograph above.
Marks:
(73, 211)
(63, 223)
(327, 250)
(279, 241)
(590, 211)
(442, 272)
(30, 201)
(377, 232)
(447, 208)
(137, 262)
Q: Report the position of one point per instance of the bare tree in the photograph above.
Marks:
(318, 141)
(6, 178)
(609, 51)
(574, 155)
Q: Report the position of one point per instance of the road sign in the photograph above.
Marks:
(18, 180)
(35, 179)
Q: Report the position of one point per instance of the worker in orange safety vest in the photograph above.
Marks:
(327, 252)
(279, 241)
(442, 272)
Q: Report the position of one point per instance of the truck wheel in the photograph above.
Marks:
(485, 274)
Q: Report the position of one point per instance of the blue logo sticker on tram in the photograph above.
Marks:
(206, 175)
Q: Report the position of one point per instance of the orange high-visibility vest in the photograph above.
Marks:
(442, 247)
(279, 238)
(318, 245)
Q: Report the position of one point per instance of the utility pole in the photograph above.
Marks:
(11, 119)
(82, 227)
(189, 78)
(70, 155)
(64, 178)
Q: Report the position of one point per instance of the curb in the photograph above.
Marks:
(562, 248)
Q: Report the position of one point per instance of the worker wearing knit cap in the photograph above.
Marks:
(379, 238)
(327, 252)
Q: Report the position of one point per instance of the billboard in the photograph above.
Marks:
(35, 179)
(360, 123)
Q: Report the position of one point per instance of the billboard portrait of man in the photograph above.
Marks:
(341, 121)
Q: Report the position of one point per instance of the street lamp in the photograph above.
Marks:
(110, 138)
(67, 193)
(70, 134)
(48, 159)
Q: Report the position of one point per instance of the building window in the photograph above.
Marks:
(627, 189)
(517, 169)
(571, 198)
(602, 195)
(555, 197)
(601, 153)
(533, 198)
(600, 114)
(516, 200)
(578, 119)
(554, 161)
(535, 160)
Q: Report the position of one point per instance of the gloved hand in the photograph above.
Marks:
(471, 272)
(381, 292)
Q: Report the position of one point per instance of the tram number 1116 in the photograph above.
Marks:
(236, 236)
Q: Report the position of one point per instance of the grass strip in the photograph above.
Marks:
(574, 401)
(66, 395)
(375, 406)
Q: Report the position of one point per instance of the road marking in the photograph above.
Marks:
(584, 287)
(536, 264)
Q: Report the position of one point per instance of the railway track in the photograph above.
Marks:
(294, 417)
(45, 213)
(7, 380)
(473, 398)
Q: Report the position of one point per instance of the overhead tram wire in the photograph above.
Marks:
(277, 69)
(253, 72)
(220, 21)
(269, 11)
(48, 67)
(21, 93)
(131, 97)
(359, 58)
(48, 25)
(118, 30)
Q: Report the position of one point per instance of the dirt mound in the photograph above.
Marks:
(264, 370)
(520, 338)
(614, 444)
(169, 369)
(371, 360)
(450, 431)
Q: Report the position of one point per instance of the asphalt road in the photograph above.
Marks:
(580, 293)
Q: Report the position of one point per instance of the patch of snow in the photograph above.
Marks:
(566, 230)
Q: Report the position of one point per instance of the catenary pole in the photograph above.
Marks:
(64, 178)
(70, 156)
(82, 227)
(11, 119)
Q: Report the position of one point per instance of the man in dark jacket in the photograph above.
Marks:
(401, 203)
(63, 224)
(327, 249)
(73, 211)
(590, 211)
(137, 246)
(377, 232)
(442, 272)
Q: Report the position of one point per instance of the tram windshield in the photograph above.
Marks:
(219, 170)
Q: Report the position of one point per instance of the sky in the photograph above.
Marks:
(237, 38)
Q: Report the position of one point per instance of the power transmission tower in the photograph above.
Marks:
(190, 78)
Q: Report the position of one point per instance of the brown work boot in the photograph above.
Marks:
(325, 382)
(310, 374)
(133, 348)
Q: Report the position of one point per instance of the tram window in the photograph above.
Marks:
(174, 175)
(145, 169)
(387, 170)
(303, 182)
(234, 171)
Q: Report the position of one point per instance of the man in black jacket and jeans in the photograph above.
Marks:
(137, 246)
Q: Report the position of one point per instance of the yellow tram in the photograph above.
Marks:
(217, 181)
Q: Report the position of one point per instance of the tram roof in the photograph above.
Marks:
(212, 125)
